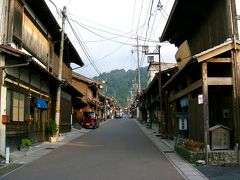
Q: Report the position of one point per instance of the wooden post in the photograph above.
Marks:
(236, 100)
(237, 133)
(205, 109)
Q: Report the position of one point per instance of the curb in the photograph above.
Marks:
(187, 170)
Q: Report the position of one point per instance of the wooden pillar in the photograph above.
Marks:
(236, 97)
(237, 133)
(205, 109)
(237, 56)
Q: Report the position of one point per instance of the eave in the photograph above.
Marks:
(217, 50)
(45, 16)
(183, 20)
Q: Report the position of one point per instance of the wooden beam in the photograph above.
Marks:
(187, 90)
(238, 45)
(205, 110)
(219, 60)
(219, 81)
(214, 51)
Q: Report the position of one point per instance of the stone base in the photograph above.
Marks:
(222, 157)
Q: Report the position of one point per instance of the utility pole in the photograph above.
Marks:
(139, 79)
(58, 101)
(161, 127)
(105, 99)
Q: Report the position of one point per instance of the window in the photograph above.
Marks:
(18, 21)
(16, 106)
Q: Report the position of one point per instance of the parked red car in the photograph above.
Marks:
(89, 119)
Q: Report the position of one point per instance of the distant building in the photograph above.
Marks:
(153, 68)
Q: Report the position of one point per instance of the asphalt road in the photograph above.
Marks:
(118, 150)
(221, 172)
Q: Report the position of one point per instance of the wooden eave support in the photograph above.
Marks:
(219, 60)
(208, 54)
(220, 81)
(187, 90)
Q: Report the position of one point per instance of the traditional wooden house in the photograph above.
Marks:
(153, 68)
(90, 99)
(29, 60)
(101, 105)
(150, 100)
(205, 90)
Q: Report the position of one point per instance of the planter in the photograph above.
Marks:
(192, 145)
(195, 149)
(53, 139)
(24, 149)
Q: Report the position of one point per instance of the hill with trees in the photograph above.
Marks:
(120, 82)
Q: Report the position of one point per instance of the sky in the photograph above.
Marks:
(105, 32)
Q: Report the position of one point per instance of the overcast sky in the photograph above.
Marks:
(107, 32)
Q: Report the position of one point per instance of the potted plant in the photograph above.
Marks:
(192, 145)
(52, 129)
(25, 144)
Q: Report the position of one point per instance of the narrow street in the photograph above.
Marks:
(117, 150)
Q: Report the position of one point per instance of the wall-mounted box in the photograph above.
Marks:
(5, 119)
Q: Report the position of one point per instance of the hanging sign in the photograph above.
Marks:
(200, 99)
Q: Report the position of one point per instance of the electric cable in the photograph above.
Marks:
(84, 48)
(106, 38)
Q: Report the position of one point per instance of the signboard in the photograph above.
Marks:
(41, 104)
(200, 99)
(182, 118)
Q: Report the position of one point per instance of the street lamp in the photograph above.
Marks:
(161, 127)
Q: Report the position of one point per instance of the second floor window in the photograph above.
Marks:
(17, 21)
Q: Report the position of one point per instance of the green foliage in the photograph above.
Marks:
(52, 127)
(25, 142)
(121, 81)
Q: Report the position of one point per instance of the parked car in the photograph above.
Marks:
(89, 119)
(118, 115)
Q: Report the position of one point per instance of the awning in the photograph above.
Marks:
(41, 104)
(10, 50)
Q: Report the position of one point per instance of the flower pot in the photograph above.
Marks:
(195, 149)
(24, 149)
(53, 139)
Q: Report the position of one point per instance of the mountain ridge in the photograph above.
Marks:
(120, 82)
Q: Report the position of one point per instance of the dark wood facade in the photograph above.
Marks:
(212, 36)
(30, 52)
(206, 86)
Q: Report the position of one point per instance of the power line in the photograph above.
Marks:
(140, 15)
(57, 10)
(113, 51)
(150, 15)
(84, 48)
(133, 17)
(106, 38)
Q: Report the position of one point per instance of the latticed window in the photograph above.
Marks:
(18, 21)
(16, 106)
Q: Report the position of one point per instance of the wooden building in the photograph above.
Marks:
(206, 86)
(204, 91)
(150, 103)
(90, 99)
(29, 60)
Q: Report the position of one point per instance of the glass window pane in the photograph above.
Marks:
(15, 106)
